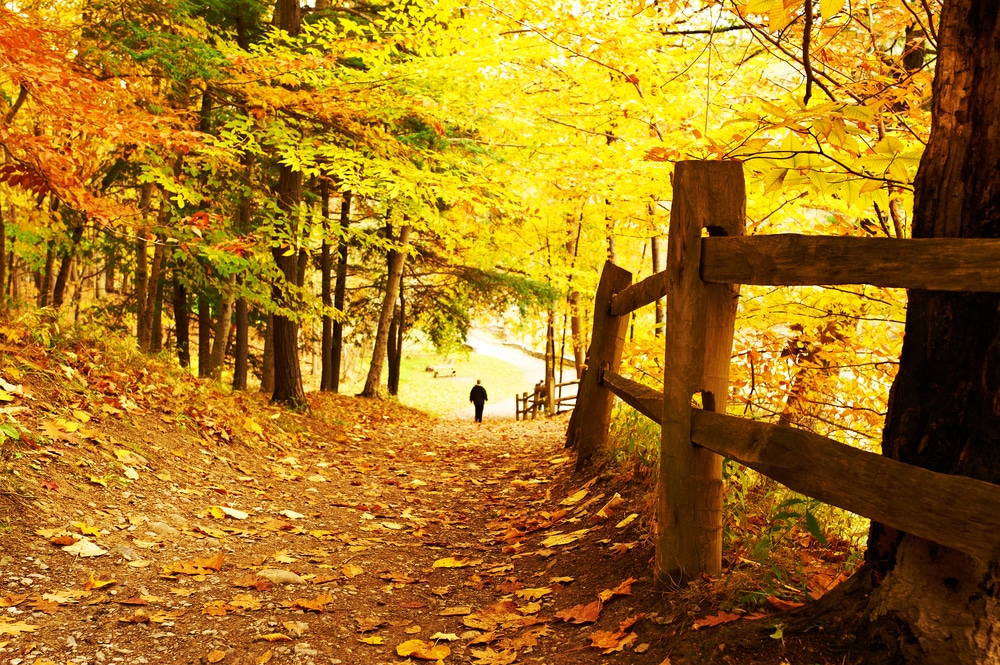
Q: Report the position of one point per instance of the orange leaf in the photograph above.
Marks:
(588, 613)
(715, 620)
(215, 656)
(275, 637)
(623, 589)
(781, 605)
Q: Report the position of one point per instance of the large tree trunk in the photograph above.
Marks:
(935, 605)
(241, 354)
(284, 329)
(340, 293)
(267, 358)
(396, 259)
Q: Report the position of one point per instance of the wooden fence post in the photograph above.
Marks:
(699, 338)
(588, 426)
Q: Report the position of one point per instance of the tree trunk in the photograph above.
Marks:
(550, 363)
(181, 321)
(340, 293)
(217, 356)
(659, 312)
(3, 261)
(204, 336)
(396, 333)
(576, 333)
(241, 354)
(326, 291)
(45, 283)
(156, 332)
(68, 256)
(285, 330)
(142, 266)
(267, 361)
(935, 605)
(396, 259)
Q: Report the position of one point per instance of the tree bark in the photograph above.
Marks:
(284, 329)
(204, 336)
(142, 266)
(217, 356)
(267, 361)
(241, 354)
(326, 292)
(340, 293)
(181, 321)
(659, 311)
(45, 281)
(68, 255)
(396, 260)
(935, 605)
(3, 260)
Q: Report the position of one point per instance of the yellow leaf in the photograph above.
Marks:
(564, 538)
(350, 570)
(6, 396)
(275, 637)
(16, 629)
(828, 8)
(98, 481)
(573, 498)
(82, 416)
(130, 473)
(263, 658)
(423, 650)
(374, 639)
(86, 529)
(215, 656)
(452, 562)
(625, 522)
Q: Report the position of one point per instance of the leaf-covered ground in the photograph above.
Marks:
(151, 519)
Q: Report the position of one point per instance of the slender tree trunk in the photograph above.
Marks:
(3, 260)
(326, 290)
(396, 333)
(68, 256)
(148, 294)
(241, 354)
(156, 331)
(935, 605)
(340, 293)
(204, 336)
(45, 283)
(550, 364)
(658, 266)
(181, 317)
(267, 361)
(142, 268)
(396, 260)
(217, 356)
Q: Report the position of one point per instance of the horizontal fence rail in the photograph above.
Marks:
(955, 511)
(936, 264)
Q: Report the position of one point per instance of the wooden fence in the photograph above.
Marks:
(533, 403)
(701, 284)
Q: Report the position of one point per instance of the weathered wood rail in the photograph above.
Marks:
(701, 284)
(531, 404)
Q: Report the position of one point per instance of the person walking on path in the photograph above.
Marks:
(478, 397)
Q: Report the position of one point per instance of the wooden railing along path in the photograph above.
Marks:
(701, 284)
(531, 404)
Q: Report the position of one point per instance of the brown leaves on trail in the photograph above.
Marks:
(252, 581)
(501, 614)
(623, 589)
(317, 604)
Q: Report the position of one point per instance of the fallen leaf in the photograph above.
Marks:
(576, 497)
(625, 522)
(715, 620)
(351, 571)
(97, 582)
(564, 538)
(448, 637)
(490, 657)
(460, 611)
(583, 613)
(534, 594)
(782, 605)
(366, 624)
(84, 548)
(453, 562)
(215, 656)
(374, 639)
(623, 589)
(275, 637)
(264, 658)
(292, 515)
(87, 529)
(423, 650)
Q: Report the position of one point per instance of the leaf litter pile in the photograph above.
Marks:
(152, 519)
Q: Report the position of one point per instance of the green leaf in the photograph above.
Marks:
(812, 525)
